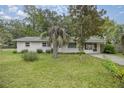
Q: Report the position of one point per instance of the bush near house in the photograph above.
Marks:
(49, 51)
(14, 51)
(30, 56)
(110, 49)
(39, 51)
(24, 51)
(82, 53)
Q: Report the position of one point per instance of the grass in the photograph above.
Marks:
(65, 71)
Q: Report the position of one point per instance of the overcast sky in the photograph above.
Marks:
(16, 12)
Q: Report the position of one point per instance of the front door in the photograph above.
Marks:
(94, 47)
(91, 46)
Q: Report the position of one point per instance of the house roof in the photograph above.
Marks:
(34, 39)
(31, 39)
(96, 39)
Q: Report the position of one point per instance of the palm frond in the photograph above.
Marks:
(44, 34)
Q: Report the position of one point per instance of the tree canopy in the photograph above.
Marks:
(87, 22)
(80, 21)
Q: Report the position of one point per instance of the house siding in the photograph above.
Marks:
(20, 46)
(38, 45)
(33, 46)
(65, 49)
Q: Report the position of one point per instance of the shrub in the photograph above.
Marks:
(14, 51)
(67, 53)
(24, 51)
(82, 53)
(39, 51)
(30, 56)
(110, 66)
(49, 51)
(110, 49)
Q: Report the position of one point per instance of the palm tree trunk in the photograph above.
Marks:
(55, 50)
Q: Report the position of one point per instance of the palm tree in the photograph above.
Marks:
(58, 38)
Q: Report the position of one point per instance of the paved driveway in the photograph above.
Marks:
(114, 58)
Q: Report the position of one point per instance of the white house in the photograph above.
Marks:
(92, 45)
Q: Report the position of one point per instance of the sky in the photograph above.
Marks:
(115, 12)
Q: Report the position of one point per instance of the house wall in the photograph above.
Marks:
(20, 46)
(65, 49)
(38, 45)
(33, 46)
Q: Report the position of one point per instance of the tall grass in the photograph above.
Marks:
(116, 72)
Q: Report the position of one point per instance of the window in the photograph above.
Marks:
(88, 46)
(72, 45)
(44, 44)
(27, 44)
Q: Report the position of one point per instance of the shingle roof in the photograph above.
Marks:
(91, 40)
(96, 40)
(31, 39)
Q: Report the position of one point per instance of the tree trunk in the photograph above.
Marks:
(82, 57)
(81, 47)
(55, 50)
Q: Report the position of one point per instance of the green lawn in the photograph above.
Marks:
(65, 71)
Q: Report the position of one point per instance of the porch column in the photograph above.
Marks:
(98, 47)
